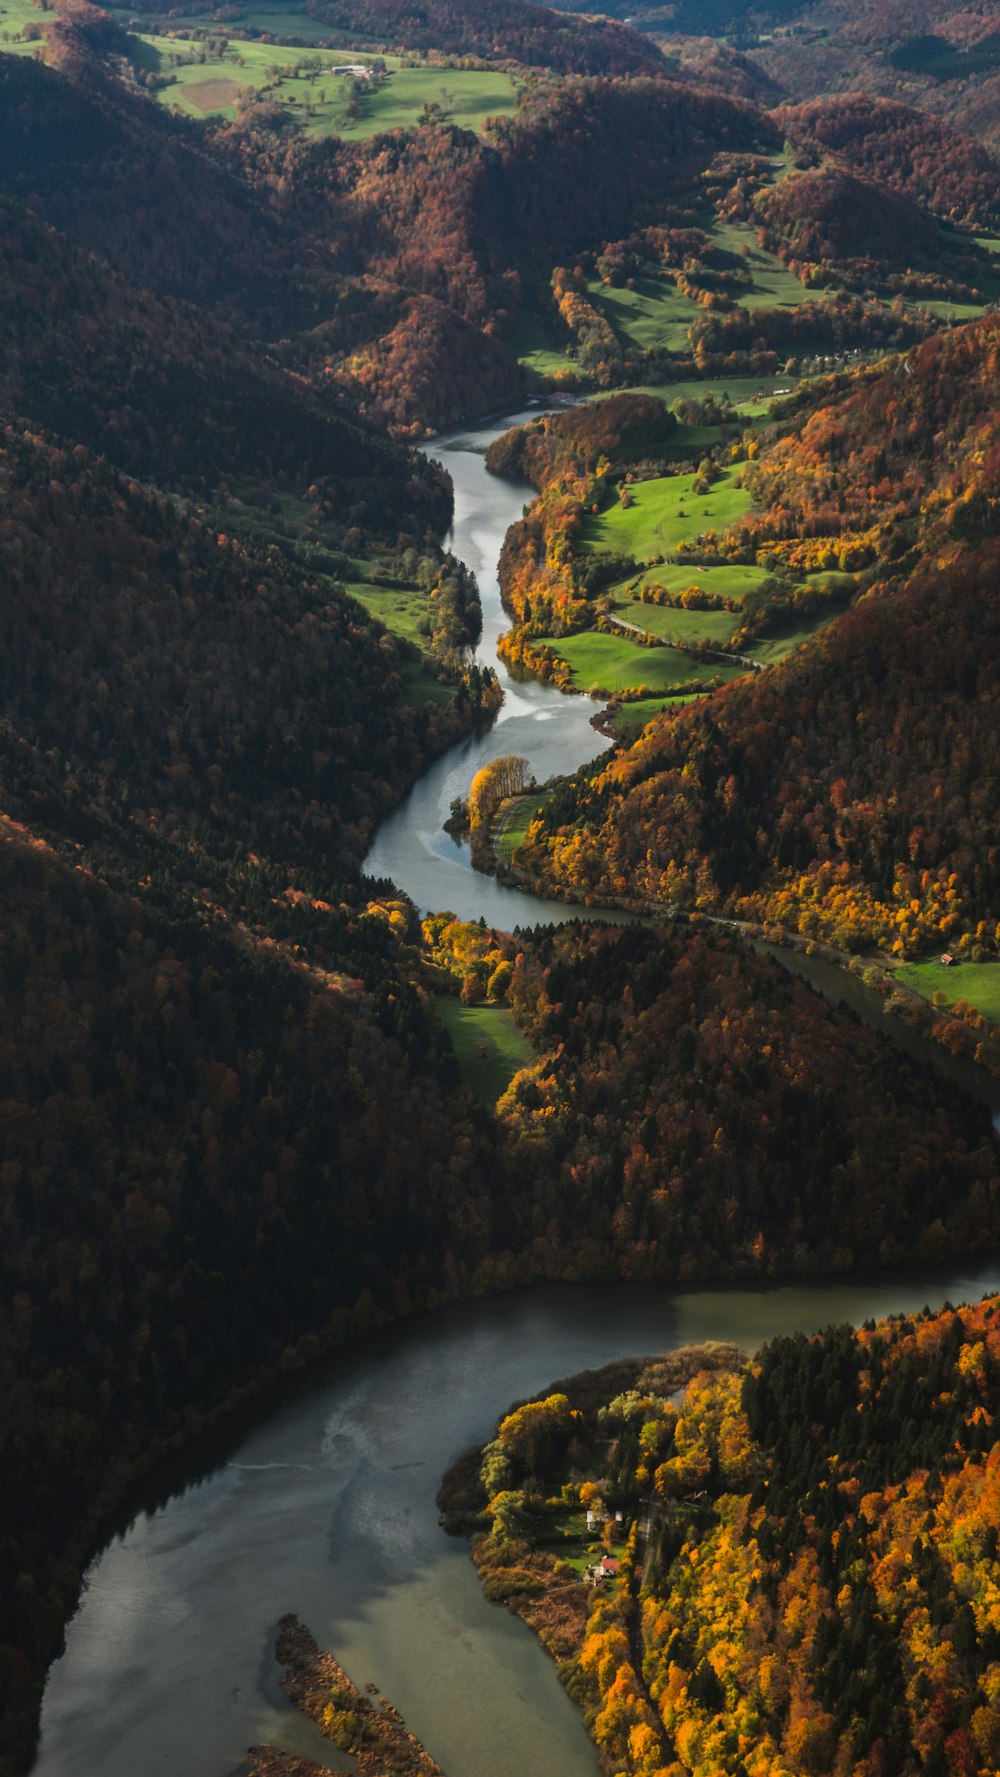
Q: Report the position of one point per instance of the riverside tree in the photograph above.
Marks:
(501, 778)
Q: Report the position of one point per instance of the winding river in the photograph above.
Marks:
(321, 1500)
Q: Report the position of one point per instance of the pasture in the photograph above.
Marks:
(401, 608)
(773, 286)
(665, 513)
(769, 650)
(488, 1046)
(731, 580)
(976, 983)
(684, 627)
(650, 315)
(750, 395)
(535, 348)
(608, 663)
(631, 718)
(206, 83)
(16, 18)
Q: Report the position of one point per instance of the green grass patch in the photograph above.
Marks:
(976, 983)
(488, 1046)
(632, 717)
(465, 97)
(731, 580)
(534, 347)
(400, 608)
(751, 395)
(651, 315)
(679, 626)
(773, 286)
(16, 17)
(613, 663)
(664, 514)
(515, 829)
(770, 649)
(305, 81)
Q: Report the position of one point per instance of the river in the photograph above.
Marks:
(321, 1499)
(550, 729)
(323, 1503)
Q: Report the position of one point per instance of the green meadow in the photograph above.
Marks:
(770, 649)
(488, 1046)
(729, 579)
(613, 663)
(535, 348)
(751, 395)
(976, 983)
(631, 718)
(400, 608)
(773, 286)
(204, 84)
(515, 828)
(651, 314)
(17, 16)
(665, 513)
(684, 627)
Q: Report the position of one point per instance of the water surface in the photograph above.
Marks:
(324, 1504)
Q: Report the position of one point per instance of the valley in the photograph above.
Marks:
(343, 1100)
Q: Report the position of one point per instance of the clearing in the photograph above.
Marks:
(206, 80)
(18, 17)
(976, 983)
(515, 826)
(631, 718)
(488, 1046)
(607, 663)
(665, 513)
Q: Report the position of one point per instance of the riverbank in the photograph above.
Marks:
(321, 1499)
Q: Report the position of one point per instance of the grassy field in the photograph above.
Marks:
(400, 608)
(488, 1046)
(773, 286)
(752, 395)
(304, 80)
(516, 828)
(632, 717)
(15, 16)
(729, 579)
(613, 663)
(653, 314)
(679, 626)
(665, 513)
(977, 983)
(770, 649)
(533, 346)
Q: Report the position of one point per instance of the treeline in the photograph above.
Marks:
(808, 1555)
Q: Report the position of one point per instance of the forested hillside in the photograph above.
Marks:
(233, 1126)
(847, 792)
(798, 1555)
